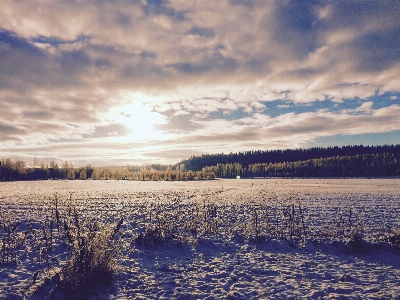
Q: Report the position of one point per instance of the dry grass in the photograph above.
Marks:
(93, 260)
(9, 242)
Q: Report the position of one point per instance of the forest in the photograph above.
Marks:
(365, 165)
(347, 161)
(196, 163)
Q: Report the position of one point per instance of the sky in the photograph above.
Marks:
(156, 81)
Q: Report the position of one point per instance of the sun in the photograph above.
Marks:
(140, 120)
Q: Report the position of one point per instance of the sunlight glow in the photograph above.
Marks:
(140, 119)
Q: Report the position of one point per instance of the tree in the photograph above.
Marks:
(167, 174)
(71, 174)
(89, 171)
(54, 171)
(82, 175)
(155, 175)
(20, 167)
(95, 175)
(143, 175)
(35, 162)
(189, 175)
(65, 166)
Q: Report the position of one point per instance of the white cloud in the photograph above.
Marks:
(366, 107)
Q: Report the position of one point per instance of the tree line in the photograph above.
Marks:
(17, 170)
(365, 165)
(197, 163)
(348, 161)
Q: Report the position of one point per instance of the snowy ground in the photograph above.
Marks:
(225, 261)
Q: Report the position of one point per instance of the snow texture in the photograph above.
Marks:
(232, 252)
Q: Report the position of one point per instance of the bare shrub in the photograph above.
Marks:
(209, 219)
(354, 242)
(8, 242)
(151, 237)
(93, 260)
(394, 238)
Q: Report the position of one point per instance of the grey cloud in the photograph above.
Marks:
(156, 2)
(78, 109)
(357, 14)
(9, 103)
(160, 7)
(295, 36)
(7, 129)
(248, 3)
(10, 40)
(376, 27)
(201, 31)
(295, 28)
(256, 65)
(382, 120)
(41, 115)
(123, 19)
(18, 57)
(211, 63)
(73, 61)
(314, 124)
(25, 67)
(187, 68)
(148, 54)
(142, 72)
(376, 52)
(297, 16)
(299, 75)
(55, 41)
(178, 123)
(103, 64)
(43, 118)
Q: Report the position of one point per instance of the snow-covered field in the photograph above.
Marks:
(221, 239)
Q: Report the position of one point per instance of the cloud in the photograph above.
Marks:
(201, 31)
(366, 107)
(283, 42)
(194, 71)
